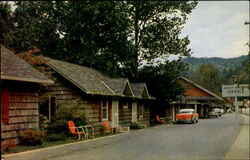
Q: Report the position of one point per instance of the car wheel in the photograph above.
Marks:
(192, 120)
(197, 120)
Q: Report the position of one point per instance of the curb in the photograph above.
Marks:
(240, 148)
(73, 143)
(58, 146)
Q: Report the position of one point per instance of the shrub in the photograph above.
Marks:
(43, 121)
(55, 137)
(32, 137)
(73, 111)
(135, 125)
(58, 126)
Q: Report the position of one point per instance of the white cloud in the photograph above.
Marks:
(216, 29)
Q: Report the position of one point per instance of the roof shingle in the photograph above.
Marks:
(15, 68)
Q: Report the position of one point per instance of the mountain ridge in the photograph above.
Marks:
(221, 63)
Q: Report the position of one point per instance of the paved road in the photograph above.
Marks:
(208, 139)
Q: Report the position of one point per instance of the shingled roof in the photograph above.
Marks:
(15, 68)
(94, 82)
(87, 79)
(202, 88)
(120, 86)
(140, 90)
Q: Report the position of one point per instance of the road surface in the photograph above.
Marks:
(208, 139)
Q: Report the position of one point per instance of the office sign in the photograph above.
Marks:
(241, 90)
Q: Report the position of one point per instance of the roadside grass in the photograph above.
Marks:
(46, 144)
(21, 148)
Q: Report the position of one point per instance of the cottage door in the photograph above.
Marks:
(134, 112)
(115, 115)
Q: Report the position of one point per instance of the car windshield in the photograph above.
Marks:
(186, 112)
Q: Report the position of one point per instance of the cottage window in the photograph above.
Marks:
(48, 107)
(125, 104)
(105, 110)
(5, 106)
(140, 112)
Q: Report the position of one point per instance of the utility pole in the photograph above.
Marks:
(236, 104)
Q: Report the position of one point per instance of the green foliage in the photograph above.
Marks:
(226, 66)
(58, 126)
(6, 24)
(156, 26)
(208, 76)
(32, 137)
(244, 74)
(43, 121)
(112, 36)
(160, 79)
(135, 125)
(64, 113)
(55, 137)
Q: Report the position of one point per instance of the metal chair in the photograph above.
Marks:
(76, 130)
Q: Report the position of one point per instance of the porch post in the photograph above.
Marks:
(195, 107)
(134, 111)
(115, 113)
(202, 110)
(173, 108)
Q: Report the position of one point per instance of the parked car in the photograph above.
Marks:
(219, 111)
(187, 115)
(222, 111)
(213, 113)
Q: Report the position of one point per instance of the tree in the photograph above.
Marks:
(87, 33)
(5, 23)
(208, 76)
(112, 36)
(161, 79)
(155, 30)
(244, 72)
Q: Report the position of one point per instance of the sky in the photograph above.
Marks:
(217, 29)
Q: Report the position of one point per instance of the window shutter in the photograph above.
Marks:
(109, 110)
(100, 111)
(5, 106)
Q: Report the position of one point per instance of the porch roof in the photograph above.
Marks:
(215, 97)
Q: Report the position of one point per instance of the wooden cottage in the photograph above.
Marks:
(194, 96)
(105, 98)
(141, 111)
(19, 97)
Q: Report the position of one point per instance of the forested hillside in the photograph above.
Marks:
(214, 72)
(221, 64)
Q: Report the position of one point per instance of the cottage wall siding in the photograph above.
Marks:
(65, 92)
(191, 90)
(125, 114)
(23, 110)
(145, 120)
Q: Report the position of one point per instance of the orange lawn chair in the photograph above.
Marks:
(108, 127)
(76, 130)
(159, 120)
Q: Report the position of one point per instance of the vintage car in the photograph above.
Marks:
(187, 115)
(213, 113)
